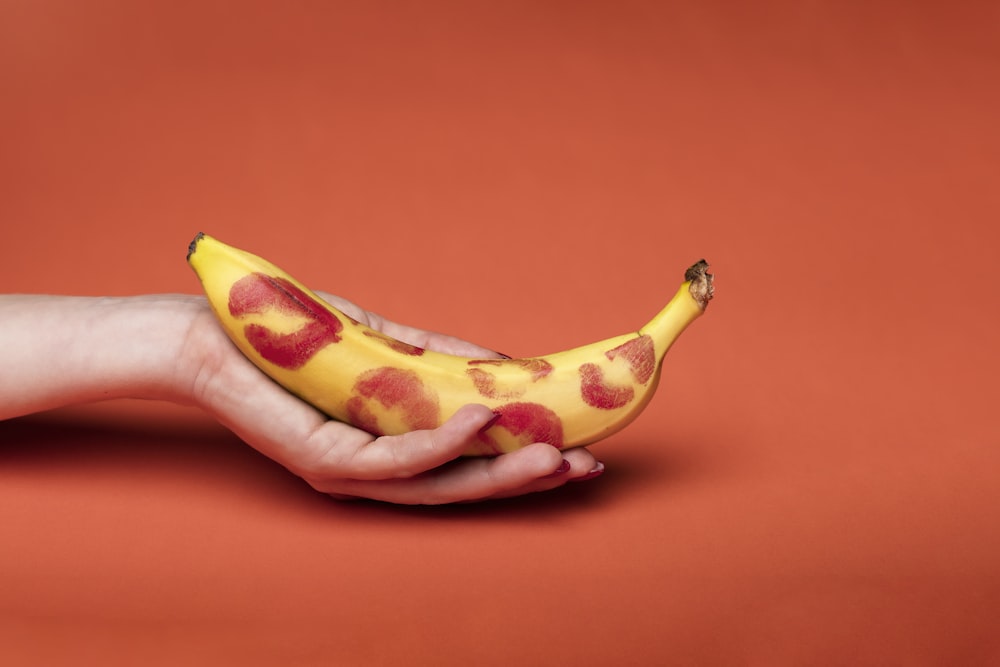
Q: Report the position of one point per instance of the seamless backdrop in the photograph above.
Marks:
(815, 481)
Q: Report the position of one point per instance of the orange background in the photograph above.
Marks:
(816, 481)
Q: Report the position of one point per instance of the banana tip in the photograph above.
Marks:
(194, 244)
(702, 287)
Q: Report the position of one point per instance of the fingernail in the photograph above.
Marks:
(490, 423)
(595, 472)
(562, 469)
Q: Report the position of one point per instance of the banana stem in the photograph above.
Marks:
(701, 286)
(687, 305)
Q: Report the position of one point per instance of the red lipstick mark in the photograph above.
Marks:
(258, 293)
(527, 423)
(486, 382)
(397, 345)
(598, 393)
(639, 354)
(394, 389)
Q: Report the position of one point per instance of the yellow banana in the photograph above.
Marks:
(358, 375)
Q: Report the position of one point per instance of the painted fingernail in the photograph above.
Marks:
(562, 469)
(490, 423)
(595, 472)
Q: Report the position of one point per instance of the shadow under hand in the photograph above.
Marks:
(71, 445)
(199, 452)
(633, 471)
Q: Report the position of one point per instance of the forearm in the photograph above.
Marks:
(62, 350)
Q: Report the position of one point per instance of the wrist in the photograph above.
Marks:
(61, 350)
(144, 351)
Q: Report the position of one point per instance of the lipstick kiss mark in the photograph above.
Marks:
(395, 389)
(392, 343)
(597, 392)
(258, 293)
(640, 356)
(486, 381)
(527, 423)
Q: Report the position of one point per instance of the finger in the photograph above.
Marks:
(467, 479)
(458, 347)
(360, 456)
(349, 308)
(432, 340)
(582, 469)
(428, 340)
(581, 466)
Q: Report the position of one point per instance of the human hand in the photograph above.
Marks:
(61, 350)
(420, 467)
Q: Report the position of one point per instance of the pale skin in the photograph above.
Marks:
(64, 350)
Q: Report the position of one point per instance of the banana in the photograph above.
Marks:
(385, 386)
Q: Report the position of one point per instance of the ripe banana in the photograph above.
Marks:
(358, 375)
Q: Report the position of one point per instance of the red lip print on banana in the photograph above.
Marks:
(384, 386)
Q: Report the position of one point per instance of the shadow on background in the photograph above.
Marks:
(202, 451)
(159, 447)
